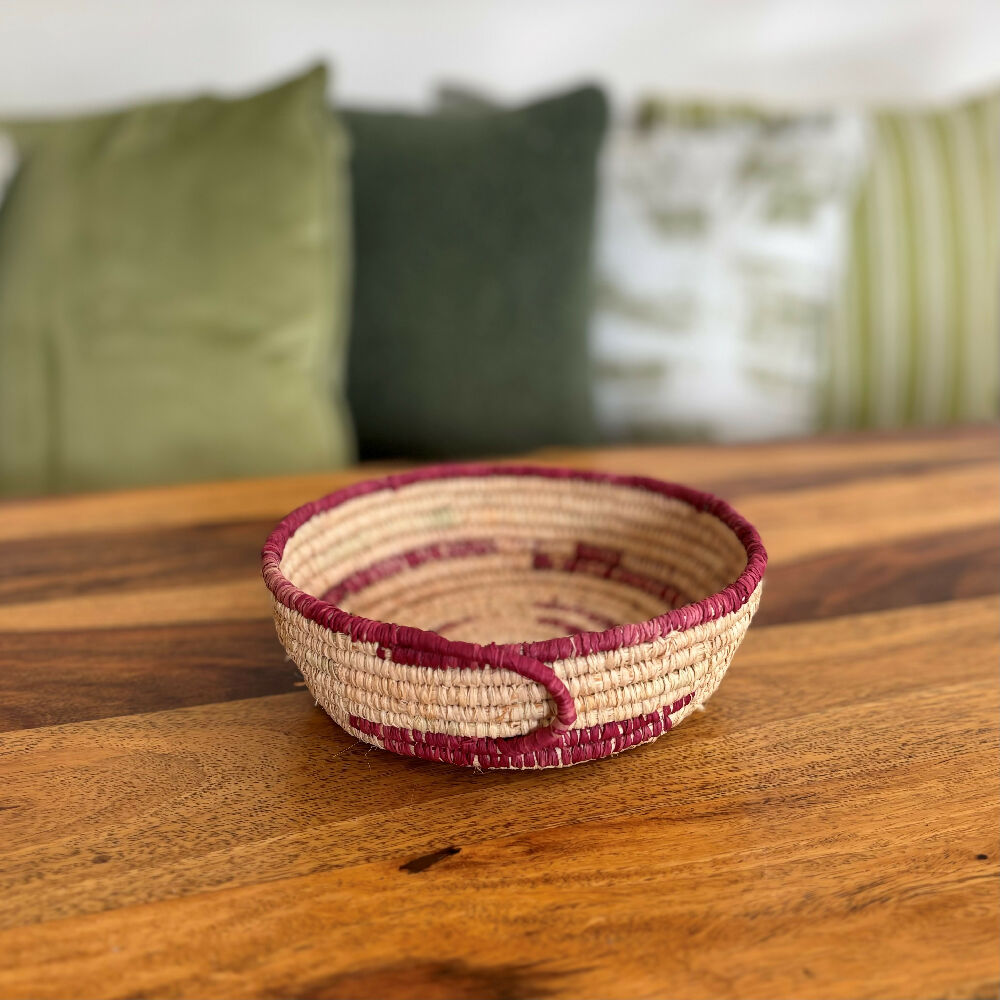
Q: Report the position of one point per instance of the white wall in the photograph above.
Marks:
(71, 54)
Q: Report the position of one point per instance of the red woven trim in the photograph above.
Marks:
(390, 566)
(518, 752)
(508, 659)
(361, 629)
(602, 563)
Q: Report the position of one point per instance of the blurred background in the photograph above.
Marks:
(273, 237)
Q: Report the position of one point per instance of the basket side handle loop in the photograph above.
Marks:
(541, 673)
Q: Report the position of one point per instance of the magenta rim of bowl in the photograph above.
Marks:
(332, 617)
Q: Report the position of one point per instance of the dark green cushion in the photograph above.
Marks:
(173, 293)
(473, 236)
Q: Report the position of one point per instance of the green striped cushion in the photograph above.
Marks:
(916, 335)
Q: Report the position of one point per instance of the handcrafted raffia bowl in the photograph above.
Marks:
(511, 617)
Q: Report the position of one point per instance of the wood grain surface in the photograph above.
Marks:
(177, 819)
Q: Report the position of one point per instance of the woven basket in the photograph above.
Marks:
(647, 586)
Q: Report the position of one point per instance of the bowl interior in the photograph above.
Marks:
(512, 558)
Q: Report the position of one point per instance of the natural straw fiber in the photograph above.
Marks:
(421, 609)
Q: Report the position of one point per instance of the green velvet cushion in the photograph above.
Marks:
(473, 237)
(173, 293)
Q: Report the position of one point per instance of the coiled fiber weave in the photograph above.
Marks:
(511, 616)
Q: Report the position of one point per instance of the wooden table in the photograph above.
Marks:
(177, 819)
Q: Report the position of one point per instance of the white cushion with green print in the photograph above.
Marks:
(721, 250)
